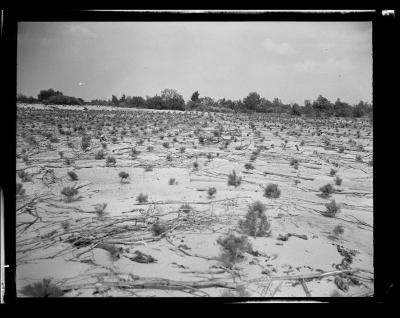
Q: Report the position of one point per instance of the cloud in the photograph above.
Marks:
(324, 66)
(80, 30)
(278, 48)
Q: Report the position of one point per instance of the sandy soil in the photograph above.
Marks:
(189, 252)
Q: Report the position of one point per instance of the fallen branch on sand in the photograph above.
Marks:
(287, 176)
(312, 276)
(193, 202)
(159, 283)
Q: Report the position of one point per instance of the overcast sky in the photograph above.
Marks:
(293, 61)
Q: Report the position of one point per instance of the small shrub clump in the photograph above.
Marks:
(42, 289)
(327, 190)
(331, 209)
(100, 154)
(211, 192)
(85, 142)
(256, 222)
(338, 230)
(72, 175)
(24, 176)
(172, 181)
(332, 173)
(185, 208)
(233, 248)
(272, 191)
(359, 158)
(124, 176)
(19, 189)
(69, 193)
(110, 161)
(100, 209)
(142, 198)
(233, 179)
(159, 227)
(338, 181)
(240, 291)
(249, 166)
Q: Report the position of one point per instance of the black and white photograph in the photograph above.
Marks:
(194, 159)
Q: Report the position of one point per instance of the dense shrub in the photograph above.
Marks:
(69, 193)
(123, 175)
(272, 191)
(43, 289)
(331, 209)
(72, 175)
(327, 190)
(159, 227)
(255, 222)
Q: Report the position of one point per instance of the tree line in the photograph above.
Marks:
(170, 99)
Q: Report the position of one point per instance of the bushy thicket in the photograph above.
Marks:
(44, 288)
(170, 99)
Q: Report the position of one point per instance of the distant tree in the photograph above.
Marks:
(252, 101)
(115, 100)
(207, 101)
(226, 103)
(63, 100)
(342, 109)
(362, 109)
(45, 94)
(172, 99)
(308, 108)
(21, 98)
(122, 99)
(322, 106)
(155, 102)
(195, 97)
(276, 105)
(295, 110)
(135, 102)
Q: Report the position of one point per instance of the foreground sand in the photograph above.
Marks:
(188, 253)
